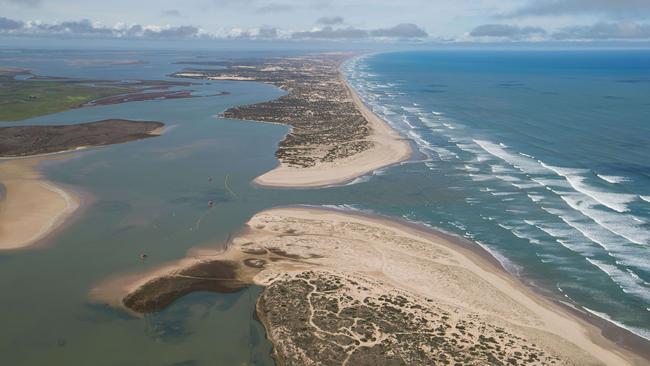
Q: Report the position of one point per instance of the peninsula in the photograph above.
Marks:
(350, 289)
(334, 136)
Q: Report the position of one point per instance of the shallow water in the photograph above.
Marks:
(151, 196)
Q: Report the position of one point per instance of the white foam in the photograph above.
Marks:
(613, 179)
(535, 198)
(619, 224)
(645, 198)
(615, 201)
(524, 164)
(627, 283)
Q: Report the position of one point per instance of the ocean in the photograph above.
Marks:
(542, 157)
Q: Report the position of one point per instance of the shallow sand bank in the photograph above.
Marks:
(31, 207)
(369, 260)
(388, 148)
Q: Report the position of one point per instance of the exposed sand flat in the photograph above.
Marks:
(32, 207)
(388, 148)
(321, 267)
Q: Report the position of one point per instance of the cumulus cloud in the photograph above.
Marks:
(264, 33)
(605, 31)
(399, 31)
(10, 24)
(404, 30)
(332, 33)
(185, 31)
(506, 31)
(562, 7)
(334, 20)
(85, 27)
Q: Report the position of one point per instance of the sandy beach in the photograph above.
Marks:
(367, 260)
(32, 207)
(388, 148)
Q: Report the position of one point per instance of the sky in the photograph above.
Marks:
(406, 21)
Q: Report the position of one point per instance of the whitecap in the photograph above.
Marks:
(615, 201)
(613, 179)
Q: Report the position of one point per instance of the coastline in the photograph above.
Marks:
(388, 148)
(472, 281)
(32, 207)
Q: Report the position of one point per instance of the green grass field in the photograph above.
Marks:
(23, 99)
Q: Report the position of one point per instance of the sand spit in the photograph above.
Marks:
(31, 207)
(334, 138)
(387, 148)
(349, 289)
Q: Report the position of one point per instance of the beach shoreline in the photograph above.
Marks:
(32, 207)
(540, 313)
(389, 148)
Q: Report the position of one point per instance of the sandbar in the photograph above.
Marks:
(347, 288)
(31, 207)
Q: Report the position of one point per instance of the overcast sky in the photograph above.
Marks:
(336, 20)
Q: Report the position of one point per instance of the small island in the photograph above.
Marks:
(35, 140)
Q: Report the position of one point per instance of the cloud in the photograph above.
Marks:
(85, 27)
(572, 7)
(10, 24)
(334, 20)
(332, 33)
(404, 30)
(265, 33)
(399, 31)
(506, 31)
(171, 13)
(185, 31)
(605, 31)
(268, 33)
(30, 3)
